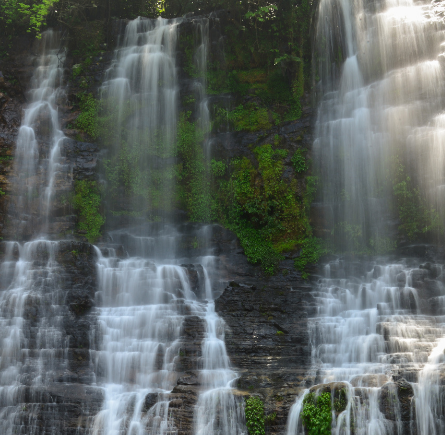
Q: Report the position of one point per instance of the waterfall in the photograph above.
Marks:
(146, 360)
(380, 116)
(37, 158)
(379, 331)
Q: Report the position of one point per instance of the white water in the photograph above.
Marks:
(40, 123)
(381, 91)
(144, 304)
(32, 345)
(381, 83)
(147, 298)
(372, 331)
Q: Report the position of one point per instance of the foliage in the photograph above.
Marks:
(37, 14)
(2, 192)
(317, 415)
(299, 161)
(87, 120)
(30, 15)
(265, 211)
(219, 168)
(10, 14)
(311, 251)
(271, 418)
(87, 203)
(250, 118)
(255, 420)
(193, 172)
(416, 218)
(341, 401)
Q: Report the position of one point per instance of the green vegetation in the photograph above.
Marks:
(2, 192)
(266, 212)
(271, 418)
(317, 414)
(311, 251)
(255, 420)
(219, 168)
(87, 203)
(87, 120)
(340, 401)
(193, 172)
(299, 161)
(416, 218)
(280, 333)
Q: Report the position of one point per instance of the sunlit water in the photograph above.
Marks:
(381, 84)
(380, 81)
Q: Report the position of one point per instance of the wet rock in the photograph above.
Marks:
(150, 400)
(396, 399)
(369, 381)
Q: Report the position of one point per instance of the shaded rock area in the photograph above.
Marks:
(15, 72)
(266, 329)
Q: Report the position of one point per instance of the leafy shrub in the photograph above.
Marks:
(255, 420)
(317, 416)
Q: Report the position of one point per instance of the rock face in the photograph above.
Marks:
(266, 328)
(266, 318)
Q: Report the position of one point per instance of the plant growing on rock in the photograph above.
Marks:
(317, 414)
(255, 420)
(87, 203)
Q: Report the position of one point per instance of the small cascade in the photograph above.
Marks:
(143, 353)
(143, 307)
(377, 339)
(219, 412)
(32, 345)
(37, 158)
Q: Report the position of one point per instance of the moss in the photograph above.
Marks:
(87, 202)
(311, 251)
(252, 118)
(87, 120)
(299, 161)
(193, 172)
(219, 168)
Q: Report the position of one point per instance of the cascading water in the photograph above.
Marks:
(40, 129)
(380, 117)
(147, 299)
(378, 334)
(33, 342)
(138, 360)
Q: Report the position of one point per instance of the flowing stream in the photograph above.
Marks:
(379, 332)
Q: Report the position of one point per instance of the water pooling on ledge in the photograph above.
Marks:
(160, 344)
